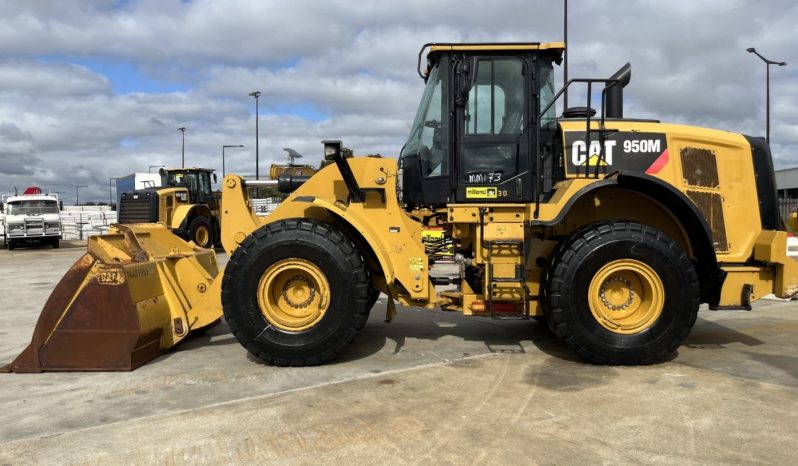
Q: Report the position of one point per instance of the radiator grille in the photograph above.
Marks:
(711, 205)
(135, 210)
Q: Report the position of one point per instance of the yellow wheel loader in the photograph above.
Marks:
(185, 203)
(612, 230)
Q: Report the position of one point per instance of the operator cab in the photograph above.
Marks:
(474, 137)
(196, 180)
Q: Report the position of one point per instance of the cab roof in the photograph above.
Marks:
(436, 47)
(186, 169)
(494, 47)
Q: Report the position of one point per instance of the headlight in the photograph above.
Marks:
(16, 228)
(52, 225)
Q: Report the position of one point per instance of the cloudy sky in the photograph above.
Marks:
(97, 89)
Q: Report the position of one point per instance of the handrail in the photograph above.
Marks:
(608, 84)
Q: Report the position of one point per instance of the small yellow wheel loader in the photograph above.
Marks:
(185, 203)
(612, 230)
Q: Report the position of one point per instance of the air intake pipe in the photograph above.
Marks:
(615, 91)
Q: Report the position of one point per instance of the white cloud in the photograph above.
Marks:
(353, 64)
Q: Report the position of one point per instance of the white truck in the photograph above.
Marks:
(31, 218)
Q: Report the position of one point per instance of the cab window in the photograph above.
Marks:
(204, 183)
(496, 99)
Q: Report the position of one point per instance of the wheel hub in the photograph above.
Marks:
(293, 294)
(614, 290)
(202, 236)
(304, 289)
(626, 296)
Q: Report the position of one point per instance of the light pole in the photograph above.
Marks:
(77, 193)
(150, 167)
(767, 88)
(223, 148)
(182, 129)
(256, 94)
(110, 196)
(565, 54)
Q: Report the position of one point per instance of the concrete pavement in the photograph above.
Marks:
(429, 387)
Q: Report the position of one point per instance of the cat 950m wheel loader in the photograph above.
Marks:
(612, 230)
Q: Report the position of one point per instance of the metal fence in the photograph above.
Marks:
(264, 207)
(786, 207)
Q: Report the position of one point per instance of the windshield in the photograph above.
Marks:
(429, 135)
(546, 87)
(32, 207)
(188, 180)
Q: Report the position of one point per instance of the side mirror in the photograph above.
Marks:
(465, 75)
(215, 178)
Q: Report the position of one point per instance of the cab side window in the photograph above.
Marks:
(494, 121)
(496, 100)
(204, 183)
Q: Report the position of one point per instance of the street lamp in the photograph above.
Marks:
(77, 193)
(223, 148)
(110, 196)
(767, 87)
(256, 94)
(150, 167)
(182, 129)
(565, 53)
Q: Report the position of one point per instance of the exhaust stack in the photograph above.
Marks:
(615, 91)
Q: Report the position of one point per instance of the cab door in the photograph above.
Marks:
(494, 134)
(205, 194)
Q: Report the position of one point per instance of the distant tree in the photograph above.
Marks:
(265, 192)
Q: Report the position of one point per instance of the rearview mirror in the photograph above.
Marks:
(465, 75)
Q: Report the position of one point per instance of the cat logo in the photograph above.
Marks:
(579, 153)
(487, 192)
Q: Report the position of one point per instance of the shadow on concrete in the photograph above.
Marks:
(786, 364)
(505, 337)
(708, 334)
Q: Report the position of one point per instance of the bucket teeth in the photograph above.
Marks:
(123, 303)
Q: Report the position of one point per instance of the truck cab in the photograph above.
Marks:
(31, 218)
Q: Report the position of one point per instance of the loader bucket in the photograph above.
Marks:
(138, 291)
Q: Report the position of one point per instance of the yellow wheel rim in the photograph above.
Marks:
(626, 296)
(202, 236)
(293, 295)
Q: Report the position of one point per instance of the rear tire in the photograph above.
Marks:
(11, 245)
(201, 232)
(296, 292)
(373, 295)
(621, 293)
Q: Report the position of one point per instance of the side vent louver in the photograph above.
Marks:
(700, 170)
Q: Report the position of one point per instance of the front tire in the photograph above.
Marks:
(296, 292)
(200, 232)
(621, 293)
